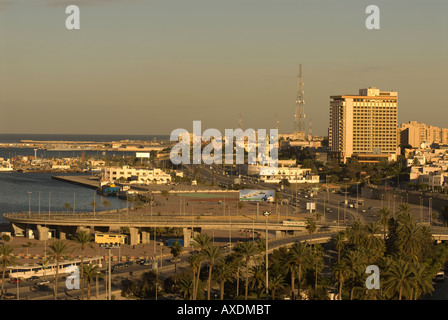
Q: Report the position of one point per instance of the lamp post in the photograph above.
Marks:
(266, 214)
(109, 246)
(29, 202)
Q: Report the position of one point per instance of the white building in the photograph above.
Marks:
(143, 176)
(291, 174)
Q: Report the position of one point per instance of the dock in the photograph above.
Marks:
(83, 181)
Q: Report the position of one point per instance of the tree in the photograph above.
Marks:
(195, 261)
(341, 272)
(57, 252)
(90, 271)
(223, 272)
(297, 259)
(398, 279)
(247, 250)
(276, 283)
(176, 250)
(258, 278)
(83, 239)
(311, 227)
(339, 242)
(201, 241)
(6, 260)
(384, 219)
(67, 206)
(106, 204)
(186, 286)
(211, 254)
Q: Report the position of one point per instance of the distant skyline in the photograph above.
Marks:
(143, 67)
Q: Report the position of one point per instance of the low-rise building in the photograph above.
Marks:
(143, 176)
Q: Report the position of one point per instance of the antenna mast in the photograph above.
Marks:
(299, 115)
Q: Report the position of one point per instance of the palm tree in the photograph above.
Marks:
(67, 206)
(317, 256)
(201, 241)
(298, 257)
(422, 280)
(356, 262)
(211, 254)
(83, 239)
(90, 271)
(311, 227)
(195, 261)
(384, 219)
(106, 204)
(341, 272)
(258, 278)
(398, 278)
(373, 243)
(356, 234)
(247, 250)
(223, 272)
(176, 250)
(276, 283)
(6, 259)
(57, 252)
(339, 242)
(186, 286)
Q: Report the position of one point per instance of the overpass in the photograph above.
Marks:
(62, 225)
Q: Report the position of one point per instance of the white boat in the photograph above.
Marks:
(6, 167)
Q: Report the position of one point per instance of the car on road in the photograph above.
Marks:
(15, 280)
(128, 263)
(32, 278)
(175, 260)
(43, 283)
(9, 296)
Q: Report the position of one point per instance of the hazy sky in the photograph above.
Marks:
(148, 67)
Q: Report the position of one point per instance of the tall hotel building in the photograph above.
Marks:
(364, 126)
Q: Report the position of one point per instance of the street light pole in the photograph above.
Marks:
(266, 214)
(29, 202)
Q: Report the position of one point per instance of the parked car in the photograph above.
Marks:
(32, 278)
(9, 296)
(15, 280)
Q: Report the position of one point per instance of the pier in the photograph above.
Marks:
(83, 181)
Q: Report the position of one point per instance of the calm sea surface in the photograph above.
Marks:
(15, 187)
(53, 194)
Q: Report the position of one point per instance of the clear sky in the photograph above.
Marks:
(150, 66)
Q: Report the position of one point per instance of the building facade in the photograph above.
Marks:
(415, 134)
(143, 176)
(364, 125)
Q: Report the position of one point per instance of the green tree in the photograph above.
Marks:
(276, 283)
(311, 227)
(106, 204)
(341, 273)
(384, 219)
(247, 250)
(398, 279)
(67, 206)
(223, 272)
(211, 254)
(6, 259)
(201, 241)
(175, 250)
(298, 259)
(83, 239)
(57, 251)
(90, 272)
